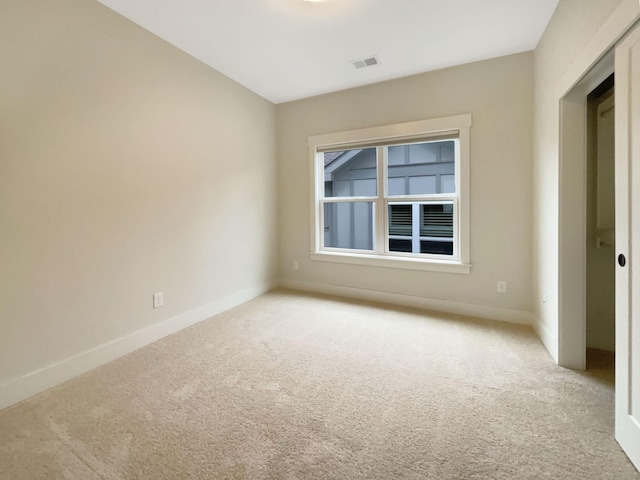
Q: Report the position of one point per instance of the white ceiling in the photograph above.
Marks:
(290, 49)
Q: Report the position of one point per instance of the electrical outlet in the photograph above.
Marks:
(296, 265)
(158, 300)
(502, 287)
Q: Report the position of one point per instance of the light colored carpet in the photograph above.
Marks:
(295, 386)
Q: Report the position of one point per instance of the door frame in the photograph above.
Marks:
(572, 216)
(592, 66)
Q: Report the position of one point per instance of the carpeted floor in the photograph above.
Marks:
(295, 386)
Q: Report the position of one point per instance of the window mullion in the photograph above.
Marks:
(415, 227)
(380, 206)
(317, 191)
(348, 199)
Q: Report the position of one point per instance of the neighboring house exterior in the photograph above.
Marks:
(426, 168)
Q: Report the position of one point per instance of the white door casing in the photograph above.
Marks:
(627, 196)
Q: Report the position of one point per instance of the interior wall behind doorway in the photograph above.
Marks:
(600, 298)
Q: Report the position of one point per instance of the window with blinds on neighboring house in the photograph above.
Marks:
(395, 197)
(421, 228)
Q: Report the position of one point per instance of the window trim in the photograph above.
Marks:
(435, 128)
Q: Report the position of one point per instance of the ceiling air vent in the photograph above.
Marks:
(366, 62)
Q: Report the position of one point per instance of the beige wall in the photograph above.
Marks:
(498, 93)
(126, 168)
(573, 26)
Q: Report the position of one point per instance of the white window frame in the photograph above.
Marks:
(459, 126)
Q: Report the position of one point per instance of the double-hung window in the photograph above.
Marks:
(393, 196)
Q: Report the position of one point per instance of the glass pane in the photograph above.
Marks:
(436, 248)
(424, 153)
(447, 184)
(397, 155)
(400, 245)
(350, 173)
(397, 186)
(422, 184)
(421, 166)
(349, 225)
(364, 188)
(436, 220)
(401, 219)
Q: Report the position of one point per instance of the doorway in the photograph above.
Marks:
(600, 229)
(572, 288)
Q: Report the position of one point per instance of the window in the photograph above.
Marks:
(393, 196)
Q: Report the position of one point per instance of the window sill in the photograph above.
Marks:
(445, 266)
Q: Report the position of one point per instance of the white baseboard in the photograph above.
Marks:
(548, 339)
(447, 306)
(38, 381)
